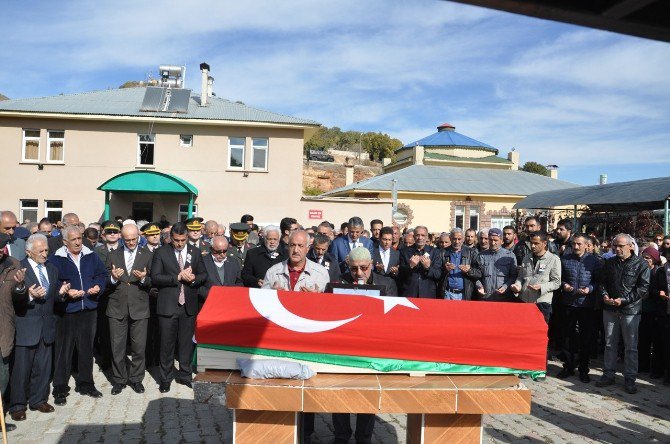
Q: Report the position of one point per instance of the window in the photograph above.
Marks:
(56, 146)
(183, 212)
(186, 140)
(460, 214)
(501, 221)
(145, 152)
(53, 209)
(31, 145)
(260, 154)
(474, 218)
(236, 152)
(28, 210)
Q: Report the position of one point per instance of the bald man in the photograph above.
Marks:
(56, 242)
(221, 271)
(16, 247)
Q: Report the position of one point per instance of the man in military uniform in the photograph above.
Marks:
(239, 232)
(111, 233)
(194, 226)
(152, 233)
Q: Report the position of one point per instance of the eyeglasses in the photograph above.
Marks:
(360, 267)
(215, 251)
(111, 232)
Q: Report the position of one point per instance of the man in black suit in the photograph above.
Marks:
(177, 271)
(260, 259)
(385, 259)
(318, 253)
(35, 330)
(221, 270)
(420, 267)
(127, 311)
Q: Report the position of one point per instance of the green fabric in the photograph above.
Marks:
(380, 364)
(148, 182)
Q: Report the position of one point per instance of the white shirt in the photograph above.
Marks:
(386, 257)
(36, 270)
(219, 264)
(353, 244)
(126, 255)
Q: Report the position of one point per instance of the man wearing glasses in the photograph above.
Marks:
(624, 282)
(221, 270)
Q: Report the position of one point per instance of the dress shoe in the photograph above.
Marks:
(117, 388)
(19, 415)
(630, 387)
(584, 377)
(604, 382)
(164, 387)
(137, 387)
(565, 373)
(10, 427)
(184, 382)
(60, 399)
(45, 407)
(89, 391)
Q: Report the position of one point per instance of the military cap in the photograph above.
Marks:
(239, 231)
(194, 223)
(150, 229)
(110, 225)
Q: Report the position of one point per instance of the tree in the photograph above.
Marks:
(131, 84)
(379, 145)
(535, 168)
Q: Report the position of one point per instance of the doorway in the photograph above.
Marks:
(143, 211)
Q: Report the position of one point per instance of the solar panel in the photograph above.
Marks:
(169, 100)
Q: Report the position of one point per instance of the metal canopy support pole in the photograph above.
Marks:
(574, 218)
(190, 205)
(666, 217)
(106, 205)
(394, 196)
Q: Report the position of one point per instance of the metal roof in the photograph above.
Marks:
(459, 180)
(148, 182)
(446, 136)
(647, 193)
(128, 101)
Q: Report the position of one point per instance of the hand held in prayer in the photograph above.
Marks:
(37, 292)
(500, 290)
(64, 288)
(425, 260)
(380, 267)
(140, 274)
(414, 261)
(536, 287)
(568, 287)
(663, 295)
(583, 290)
(75, 294)
(515, 288)
(393, 270)
(464, 268)
(278, 286)
(117, 272)
(481, 290)
(93, 290)
(20, 275)
(449, 266)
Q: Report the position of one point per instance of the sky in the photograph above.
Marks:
(591, 102)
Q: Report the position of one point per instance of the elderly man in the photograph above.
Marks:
(499, 270)
(482, 240)
(624, 282)
(211, 227)
(221, 269)
(57, 242)
(539, 275)
(177, 272)
(385, 259)
(341, 246)
(128, 309)
(9, 283)
(460, 269)
(444, 241)
(318, 253)
(35, 330)
(260, 259)
(396, 238)
(16, 246)
(360, 272)
(578, 286)
(80, 267)
(297, 273)
(420, 267)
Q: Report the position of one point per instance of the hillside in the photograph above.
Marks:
(319, 177)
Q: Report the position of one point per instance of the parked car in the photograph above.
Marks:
(320, 155)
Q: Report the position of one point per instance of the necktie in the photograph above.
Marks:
(42, 277)
(130, 261)
(182, 297)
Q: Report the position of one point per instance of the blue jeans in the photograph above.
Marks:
(615, 324)
(453, 296)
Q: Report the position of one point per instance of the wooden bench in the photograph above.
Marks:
(439, 408)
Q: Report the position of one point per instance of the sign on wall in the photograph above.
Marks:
(315, 214)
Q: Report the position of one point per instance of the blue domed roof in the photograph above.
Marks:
(446, 136)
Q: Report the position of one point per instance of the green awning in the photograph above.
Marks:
(148, 182)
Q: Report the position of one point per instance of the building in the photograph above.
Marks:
(159, 150)
(450, 180)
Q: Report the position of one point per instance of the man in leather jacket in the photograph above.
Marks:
(624, 282)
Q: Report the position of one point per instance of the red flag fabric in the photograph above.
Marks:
(461, 332)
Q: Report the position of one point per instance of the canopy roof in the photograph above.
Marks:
(639, 194)
(148, 182)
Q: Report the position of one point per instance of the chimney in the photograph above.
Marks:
(418, 155)
(204, 84)
(513, 156)
(553, 171)
(348, 171)
(210, 86)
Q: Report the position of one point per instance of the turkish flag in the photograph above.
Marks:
(458, 332)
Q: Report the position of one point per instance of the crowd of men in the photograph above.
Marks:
(127, 293)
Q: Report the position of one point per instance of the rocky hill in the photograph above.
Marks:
(319, 177)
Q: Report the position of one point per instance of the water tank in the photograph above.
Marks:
(603, 179)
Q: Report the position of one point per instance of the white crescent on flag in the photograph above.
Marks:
(267, 304)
